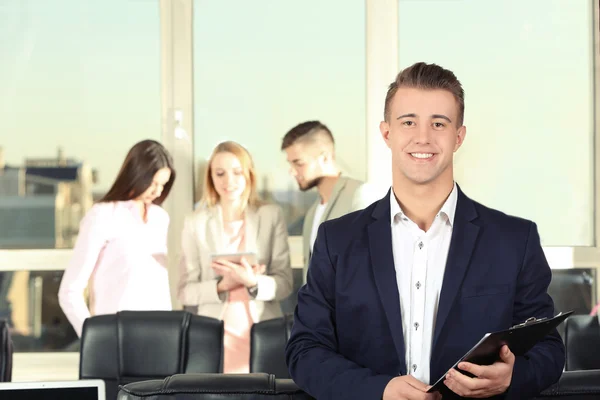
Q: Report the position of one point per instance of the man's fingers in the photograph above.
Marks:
(477, 370)
(417, 384)
(467, 382)
(506, 355)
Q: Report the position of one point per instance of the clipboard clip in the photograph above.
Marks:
(528, 321)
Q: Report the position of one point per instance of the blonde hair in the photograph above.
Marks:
(210, 196)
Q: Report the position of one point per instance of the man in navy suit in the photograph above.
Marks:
(396, 293)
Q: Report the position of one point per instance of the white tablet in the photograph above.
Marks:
(250, 257)
(85, 389)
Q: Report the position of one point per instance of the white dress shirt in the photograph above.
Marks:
(319, 211)
(420, 261)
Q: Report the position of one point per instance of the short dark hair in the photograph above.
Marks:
(308, 131)
(427, 76)
(142, 162)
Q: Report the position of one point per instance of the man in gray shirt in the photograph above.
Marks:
(310, 151)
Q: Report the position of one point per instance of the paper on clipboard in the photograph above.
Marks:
(519, 339)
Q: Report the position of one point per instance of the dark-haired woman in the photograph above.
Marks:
(122, 242)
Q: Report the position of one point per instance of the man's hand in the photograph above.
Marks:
(489, 380)
(407, 387)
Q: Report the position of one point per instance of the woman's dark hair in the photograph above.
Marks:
(143, 161)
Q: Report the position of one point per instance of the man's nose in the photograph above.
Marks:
(423, 134)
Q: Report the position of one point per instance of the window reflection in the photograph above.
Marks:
(80, 84)
(261, 74)
(29, 301)
(43, 201)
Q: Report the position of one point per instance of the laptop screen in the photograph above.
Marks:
(91, 389)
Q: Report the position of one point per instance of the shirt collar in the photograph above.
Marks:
(448, 208)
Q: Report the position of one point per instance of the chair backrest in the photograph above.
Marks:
(572, 289)
(6, 352)
(267, 346)
(574, 385)
(215, 387)
(132, 346)
(582, 343)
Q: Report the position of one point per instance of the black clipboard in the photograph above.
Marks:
(519, 339)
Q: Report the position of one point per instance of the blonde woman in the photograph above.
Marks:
(231, 219)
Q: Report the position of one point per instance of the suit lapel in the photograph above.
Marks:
(382, 261)
(335, 194)
(462, 244)
(252, 223)
(309, 219)
(214, 226)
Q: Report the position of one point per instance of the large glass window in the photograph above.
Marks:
(527, 70)
(262, 67)
(79, 84)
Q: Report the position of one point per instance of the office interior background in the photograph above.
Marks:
(81, 81)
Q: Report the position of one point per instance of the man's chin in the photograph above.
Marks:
(309, 185)
(422, 180)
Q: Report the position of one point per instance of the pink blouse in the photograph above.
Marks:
(126, 259)
(236, 316)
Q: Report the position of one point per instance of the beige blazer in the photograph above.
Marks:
(348, 195)
(266, 234)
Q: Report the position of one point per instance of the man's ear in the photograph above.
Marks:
(384, 128)
(326, 156)
(460, 137)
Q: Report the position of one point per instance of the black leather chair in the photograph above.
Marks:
(133, 346)
(267, 346)
(6, 352)
(574, 385)
(582, 343)
(214, 387)
(574, 290)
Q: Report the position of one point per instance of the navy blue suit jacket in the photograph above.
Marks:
(347, 340)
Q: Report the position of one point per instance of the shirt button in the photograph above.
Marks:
(416, 326)
(421, 245)
(418, 285)
(414, 367)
